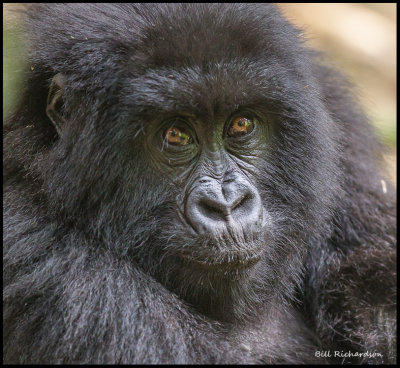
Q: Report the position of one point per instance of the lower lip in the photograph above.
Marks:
(233, 265)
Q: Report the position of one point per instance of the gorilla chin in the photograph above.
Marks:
(218, 273)
(225, 291)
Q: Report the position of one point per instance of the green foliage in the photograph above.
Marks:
(12, 69)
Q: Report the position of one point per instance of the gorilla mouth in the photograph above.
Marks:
(226, 264)
(216, 259)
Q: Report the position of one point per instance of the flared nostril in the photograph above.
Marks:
(241, 201)
(216, 210)
(220, 207)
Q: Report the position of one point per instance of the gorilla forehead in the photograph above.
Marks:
(185, 59)
(219, 88)
(212, 88)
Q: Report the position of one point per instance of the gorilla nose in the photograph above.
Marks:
(212, 206)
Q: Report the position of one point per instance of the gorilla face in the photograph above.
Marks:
(210, 166)
(219, 229)
(217, 197)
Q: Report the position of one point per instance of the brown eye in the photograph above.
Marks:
(240, 126)
(177, 137)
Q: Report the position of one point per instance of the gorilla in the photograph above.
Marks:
(189, 183)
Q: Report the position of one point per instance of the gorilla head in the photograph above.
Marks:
(206, 159)
(177, 178)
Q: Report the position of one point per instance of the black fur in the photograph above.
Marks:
(89, 269)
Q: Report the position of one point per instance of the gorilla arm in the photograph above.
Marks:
(99, 309)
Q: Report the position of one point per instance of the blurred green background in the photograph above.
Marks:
(358, 38)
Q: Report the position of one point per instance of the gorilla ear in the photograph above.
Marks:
(55, 102)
